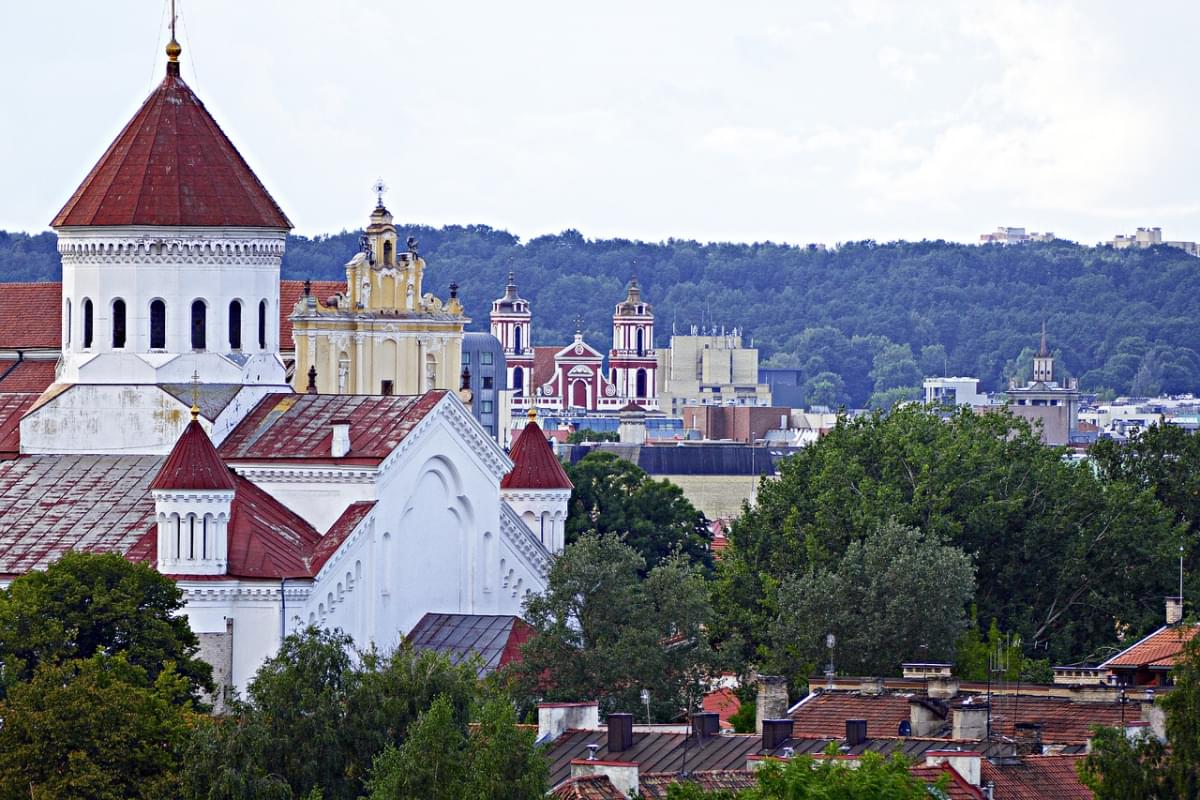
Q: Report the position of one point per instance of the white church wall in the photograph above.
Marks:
(107, 418)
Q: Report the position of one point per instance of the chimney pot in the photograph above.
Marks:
(1174, 610)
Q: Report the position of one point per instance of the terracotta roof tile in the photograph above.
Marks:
(342, 527)
(193, 465)
(958, 789)
(654, 785)
(543, 365)
(289, 294)
(722, 702)
(26, 376)
(534, 464)
(1159, 649)
(31, 316)
(825, 714)
(587, 787)
(298, 427)
(1036, 778)
(172, 165)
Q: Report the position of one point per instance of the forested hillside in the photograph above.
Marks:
(864, 321)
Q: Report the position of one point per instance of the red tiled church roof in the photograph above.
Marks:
(12, 407)
(193, 465)
(31, 316)
(26, 376)
(299, 427)
(534, 464)
(172, 165)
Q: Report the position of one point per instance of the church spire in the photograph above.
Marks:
(173, 48)
(1044, 351)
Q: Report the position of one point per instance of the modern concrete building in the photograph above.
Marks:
(709, 369)
(1149, 237)
(954, 392)
(487, 373)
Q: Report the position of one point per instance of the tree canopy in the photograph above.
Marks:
(604, 633)
(89, 603)
(879, 315)
(1061, 556)
(613, 495)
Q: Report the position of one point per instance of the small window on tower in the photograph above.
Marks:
(466, 358)
(262, 325)
(387, 388)
(158, 325)
(235, 325)
(485, 358)
(199, 325)
(118, 324)
(487, 381)
(87, 323)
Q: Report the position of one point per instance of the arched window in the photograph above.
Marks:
(87, 323)
(235, 325)
(67, 314)
(518, 379)
(430, 372)
(118, 323)
(387, 254)
(517, 340)
(262, 325)
(641, 342)
(199, 325)
(641, 383)
(158, 325)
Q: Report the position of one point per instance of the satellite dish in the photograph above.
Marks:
(905, 728)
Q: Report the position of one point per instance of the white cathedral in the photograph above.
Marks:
(168, 431)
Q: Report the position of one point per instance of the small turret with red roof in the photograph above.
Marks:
(193, 501)
(538, 488)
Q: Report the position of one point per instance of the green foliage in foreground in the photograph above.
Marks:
(1119, 768)
(805, 778)
(89, 603)
(440, 760)
(94, 729)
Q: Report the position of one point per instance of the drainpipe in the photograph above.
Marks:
(282, 610)
(15, 364)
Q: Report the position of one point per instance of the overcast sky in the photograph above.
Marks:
(789, 121)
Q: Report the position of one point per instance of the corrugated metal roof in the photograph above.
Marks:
(52, 504)
(654, 751)
(172, 165)
(496, 639)
(716, 459)
(299, 427)
(655, 785)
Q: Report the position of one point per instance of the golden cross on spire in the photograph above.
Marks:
(173, 48)
(195, 395)
(379, 187)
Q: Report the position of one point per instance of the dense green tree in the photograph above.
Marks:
(317, 714)
(88, 603)
(93, 729)
(826, 389)
(605, 633)
(1061, 556)
(806, 778)
(1120, 768)
(613, 495)
(867, 601)
(496, 760)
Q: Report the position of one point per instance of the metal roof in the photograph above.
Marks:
(534, 464)
(172, 165)
(496, 639)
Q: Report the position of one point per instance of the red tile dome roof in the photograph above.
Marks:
(172, 165)
(194, 465)
(534, 464)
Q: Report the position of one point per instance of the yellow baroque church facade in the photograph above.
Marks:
(382, 334)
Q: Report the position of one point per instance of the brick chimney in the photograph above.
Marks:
(872, 687)
(772, 700)
(1174, 610)
(942, 687)
(967, 764)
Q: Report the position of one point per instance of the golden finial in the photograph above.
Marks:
(195, 396)
(532, 413)
(173, 48)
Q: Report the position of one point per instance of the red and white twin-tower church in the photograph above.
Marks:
(573, 377)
